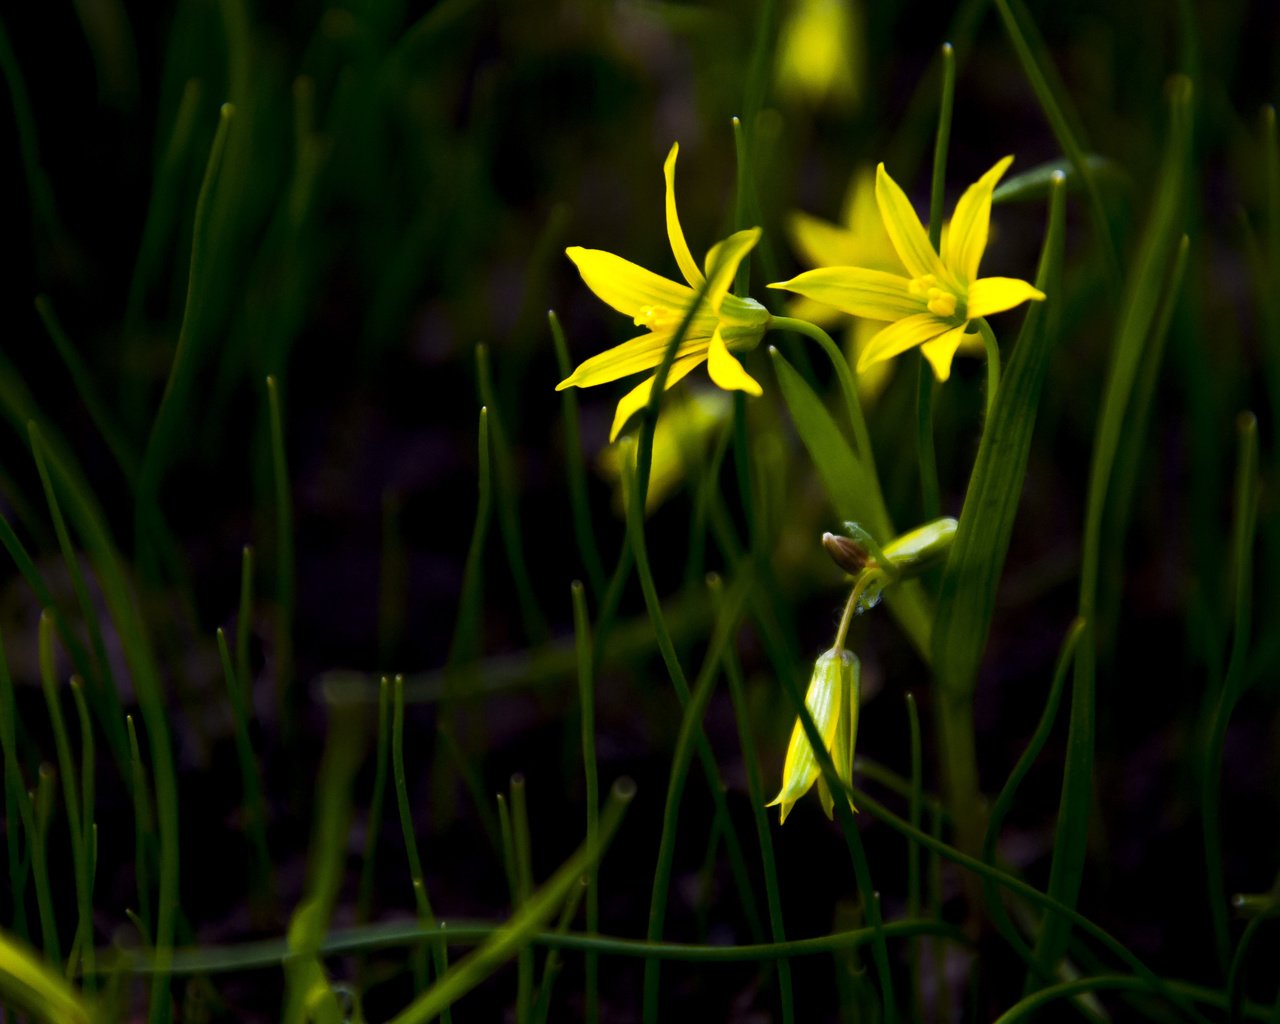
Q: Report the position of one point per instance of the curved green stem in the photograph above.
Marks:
(993, 363)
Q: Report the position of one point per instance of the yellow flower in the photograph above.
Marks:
(860, 240)
(932, 306)
(820, 48)
(722, 324)
(832, 700)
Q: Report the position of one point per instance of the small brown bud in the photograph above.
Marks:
(851, 556)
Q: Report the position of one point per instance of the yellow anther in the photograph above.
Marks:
(941, 303)
(653, 316)
(922, 285)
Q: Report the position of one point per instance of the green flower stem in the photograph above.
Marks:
(742, 716)
(940, 145)
(993, 363)
(586, 698)
(267, 955)
(848, 387)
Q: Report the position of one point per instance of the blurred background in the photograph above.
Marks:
(382, 231)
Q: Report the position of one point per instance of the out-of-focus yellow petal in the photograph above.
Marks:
(971, 345)
(726, 372)
(966, 241)
(638, 397)
(688, 265)
(819, 52)
(870, 293)
(900, 336)
(823, 244)
(941, 349)
(996, 294)
(909, 238)
(873, 379)
(628, 288)
(642, 353)
(722, 264)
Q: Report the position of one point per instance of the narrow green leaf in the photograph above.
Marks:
(966, 595)
(583, 527)
(1144, 291)
(587, 715)
(465, 975)
(1038, 182)
(1055, 101)
(27, 984)
(853, 491)
(286, 569)
(1236, 679)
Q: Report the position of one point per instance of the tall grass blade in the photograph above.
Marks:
(591, 775)
(505, 943)
(1143, 293)
(1236, 680)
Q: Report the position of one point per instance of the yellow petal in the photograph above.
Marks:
(996, 294)
(869, 293)
(823, 244)
(638, 397)
(941, 349)
(907, 234)
(628, 288)
(963, 247)
(642, 353)
(722, 264)
(873, 379)
(824, 701)
(900, 336)
(726, 372)
(688, 265)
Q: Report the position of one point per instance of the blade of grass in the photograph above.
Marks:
(590, 771)
(126, 458)
(144, 840)
(308, 994)
(464, 647)
(421, 901)
(551, 966)
(244, 618)
(1236, 680)
(105, 693)
(524, 889)
(149, 523)
(28, 985)
(583, 528)
(509, 505)
(746, 741)
(122, 607)
(88, 772)
(693, 707)
(926, 453)
(262, 889)
(70, 796)
(967, 592)
(1055, 102)
(915, 808)
(17, 802)
(1143, 293)
(519, 931)
(373, 826)
(286, 568)
(43, 801)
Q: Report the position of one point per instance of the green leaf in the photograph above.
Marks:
(1144, 291)
(966, 597)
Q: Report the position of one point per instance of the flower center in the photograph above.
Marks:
(939, 300)
(654, 317)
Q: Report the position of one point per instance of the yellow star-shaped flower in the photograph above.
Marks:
(933, 304)
(722, 323)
